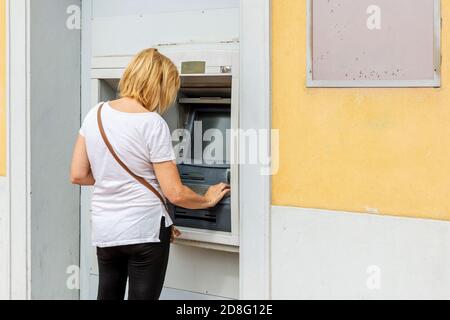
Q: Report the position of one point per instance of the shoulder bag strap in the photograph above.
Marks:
(141, 180)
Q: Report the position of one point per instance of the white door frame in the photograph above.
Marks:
(5, 244)
(255, 113)
(18, 149)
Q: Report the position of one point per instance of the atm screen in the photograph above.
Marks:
(217, 151)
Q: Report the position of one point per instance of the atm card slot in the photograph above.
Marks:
(187, 217)
(192, 177)
(195, 215)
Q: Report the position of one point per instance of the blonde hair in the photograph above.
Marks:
(152, 80)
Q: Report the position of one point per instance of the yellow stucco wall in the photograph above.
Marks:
(2, 87)
(381, 151)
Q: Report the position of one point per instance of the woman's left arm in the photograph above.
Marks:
(81, 172)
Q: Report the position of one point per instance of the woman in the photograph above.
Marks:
(131, 227)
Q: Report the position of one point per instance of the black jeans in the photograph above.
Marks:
(144, 265)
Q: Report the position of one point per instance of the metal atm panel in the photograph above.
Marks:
(207, 103)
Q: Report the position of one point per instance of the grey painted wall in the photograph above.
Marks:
(55, 119)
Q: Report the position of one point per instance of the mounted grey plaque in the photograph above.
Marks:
(373, 43)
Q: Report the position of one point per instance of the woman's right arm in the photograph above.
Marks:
(81, 172)
(180, 195)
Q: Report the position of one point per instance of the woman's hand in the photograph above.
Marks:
(213, 196)
(182, 196)
(216, 193)
(175, 233)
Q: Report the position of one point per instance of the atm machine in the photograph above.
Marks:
(204, 123)
(204, 159)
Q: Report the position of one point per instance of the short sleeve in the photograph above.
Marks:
(88, 121)
(160, 143)
(82, 130)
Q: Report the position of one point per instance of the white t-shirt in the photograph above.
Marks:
(123, 211)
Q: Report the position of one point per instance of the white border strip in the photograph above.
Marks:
(5, 243)
(18, 170)
(255, 113)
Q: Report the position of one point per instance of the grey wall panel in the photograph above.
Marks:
(110, 8)
(174, 294)
(318, 254)
(127, 35)
(203, 271)
(55, 120)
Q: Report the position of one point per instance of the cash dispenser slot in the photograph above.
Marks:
(206, 100)
(196, 215)
(206, 81)
(213, 219)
